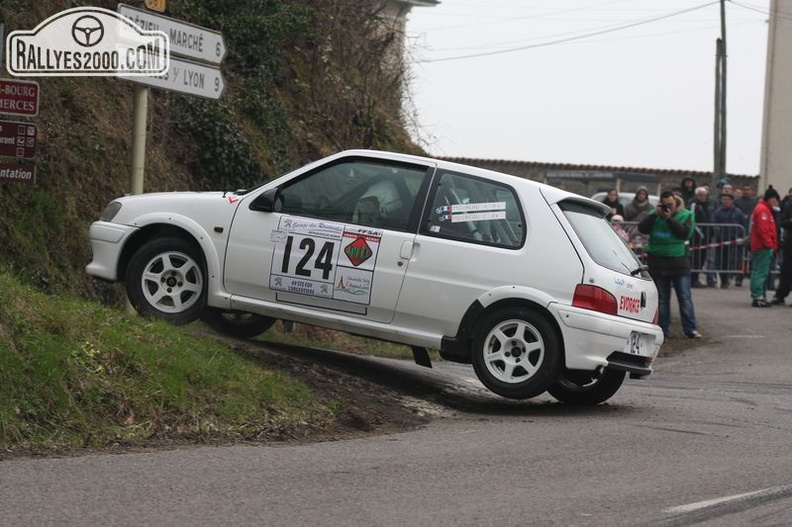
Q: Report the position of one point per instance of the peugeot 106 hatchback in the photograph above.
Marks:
(526, 282)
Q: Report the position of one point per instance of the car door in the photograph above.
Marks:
(339, 238)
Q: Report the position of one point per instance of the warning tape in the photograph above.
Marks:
(738, 241)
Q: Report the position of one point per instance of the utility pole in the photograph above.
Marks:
(719, 143)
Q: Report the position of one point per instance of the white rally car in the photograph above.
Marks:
(527, 282)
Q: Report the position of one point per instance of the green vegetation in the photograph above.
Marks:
(305, 78)
(75, 374)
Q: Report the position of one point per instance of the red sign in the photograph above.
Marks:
(17, 173)
(19, 97)
(18, 139)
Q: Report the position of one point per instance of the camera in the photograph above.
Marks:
(665, 207)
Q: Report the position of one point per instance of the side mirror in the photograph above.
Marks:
(267, 202)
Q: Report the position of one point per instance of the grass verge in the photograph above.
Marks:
(74, 374)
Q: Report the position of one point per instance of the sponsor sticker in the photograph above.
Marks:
(324, 259)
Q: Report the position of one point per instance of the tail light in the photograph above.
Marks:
(595, 298)
(656, 317)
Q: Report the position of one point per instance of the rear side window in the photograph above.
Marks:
(476, 210)
(600, 240)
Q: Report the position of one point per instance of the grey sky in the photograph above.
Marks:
(568, 81)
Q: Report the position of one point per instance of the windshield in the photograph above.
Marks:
(602, 243)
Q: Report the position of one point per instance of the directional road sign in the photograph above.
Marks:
(18, 139)
(17, 172)
(19, 97)
(189, 77)
(186, 40)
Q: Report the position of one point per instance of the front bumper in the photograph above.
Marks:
(107, 242)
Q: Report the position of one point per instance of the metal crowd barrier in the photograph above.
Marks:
(718, 250)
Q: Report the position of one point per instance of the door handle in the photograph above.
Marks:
(406, 251)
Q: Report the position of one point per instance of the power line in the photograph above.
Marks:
(778, 13)
(501, 20)
(578, 37)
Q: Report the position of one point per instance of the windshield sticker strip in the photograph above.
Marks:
(471, 207)
(474, 216)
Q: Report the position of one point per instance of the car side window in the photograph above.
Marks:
(356, 191)
(475, 210)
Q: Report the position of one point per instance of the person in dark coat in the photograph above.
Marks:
(702, 209)
(785, 273)
(612, 201)
(731, 225)
(688, 185)
(639, 207)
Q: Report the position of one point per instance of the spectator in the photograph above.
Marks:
(764, 242)
(612, 201)
(702, 210)
(688, 189)
(746, 202)
(670, 227)
(639, 207)
(733, 222)
(720, 184)
(785, 274)
(616, 223)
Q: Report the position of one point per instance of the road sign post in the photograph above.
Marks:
(196, 53)
(19, 97)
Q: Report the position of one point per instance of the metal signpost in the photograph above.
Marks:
(195, 70)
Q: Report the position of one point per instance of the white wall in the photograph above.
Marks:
(776, 161)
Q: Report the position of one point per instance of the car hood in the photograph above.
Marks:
(141, 209)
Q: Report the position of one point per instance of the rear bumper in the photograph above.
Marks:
(107, 242)
(595, 340)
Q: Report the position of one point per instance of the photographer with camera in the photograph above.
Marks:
(670, 226)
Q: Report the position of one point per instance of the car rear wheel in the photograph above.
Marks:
(166, 279)
(516, 353)
(237, 324)
(587, 388)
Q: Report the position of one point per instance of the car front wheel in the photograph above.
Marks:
(166, 279)
(587, 388)
(516, 353)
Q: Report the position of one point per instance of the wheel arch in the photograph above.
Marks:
(459, 347)
(185, 229)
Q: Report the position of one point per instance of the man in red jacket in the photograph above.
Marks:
(764, 242)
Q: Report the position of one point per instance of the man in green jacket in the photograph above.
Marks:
(670, 226)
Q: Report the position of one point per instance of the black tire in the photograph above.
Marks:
(587, 388)
(516, 353)
(166, 279)
(238, 324)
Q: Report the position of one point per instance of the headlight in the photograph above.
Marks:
(110, 211)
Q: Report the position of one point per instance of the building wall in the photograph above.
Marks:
(776, 158)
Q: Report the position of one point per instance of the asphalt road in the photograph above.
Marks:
(704, 441)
